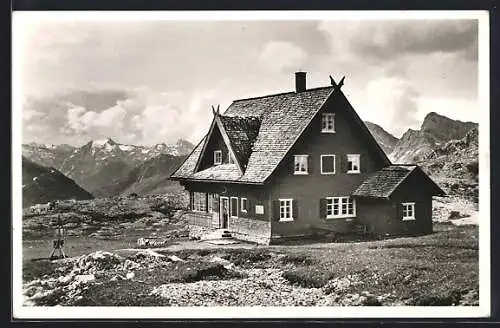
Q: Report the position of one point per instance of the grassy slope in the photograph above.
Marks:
(411, 268)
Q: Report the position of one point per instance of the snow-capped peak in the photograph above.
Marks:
(108, 144)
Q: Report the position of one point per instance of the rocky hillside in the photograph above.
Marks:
(455, 165)
(436, 130)
(43, 184)
(47, 154)
(386, 140)
(150, 177)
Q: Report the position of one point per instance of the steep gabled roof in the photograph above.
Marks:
(242, 133)
(282, 119)
(383, 183)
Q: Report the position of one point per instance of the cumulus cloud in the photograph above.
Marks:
(279, 56)
(395, 101)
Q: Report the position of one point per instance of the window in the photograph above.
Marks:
(234, 207)
(327, 164)
(259, 209)
(408, 211)
(218, 157)
(286, 210)
(328, 123)
(244, 203)
(340, 207)
(353, 163)
(210, 200)
(300, 166)
(199, 202)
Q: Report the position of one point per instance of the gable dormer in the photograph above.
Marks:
(216, 150)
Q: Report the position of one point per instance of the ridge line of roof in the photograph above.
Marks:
(281, 93)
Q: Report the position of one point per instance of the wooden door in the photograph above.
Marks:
(224, 212)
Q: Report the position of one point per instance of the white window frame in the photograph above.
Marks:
(324, 118)
(197, 205)
(334, 165)
(231, 207)
(259, 209)
(406, 217)
(301, 158)
(341, 201)
(358, 158)
(217, 153)
(244, 209)
(287, 209)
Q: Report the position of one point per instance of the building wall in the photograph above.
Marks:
(384, 217)
(247, 225)
(307, 190)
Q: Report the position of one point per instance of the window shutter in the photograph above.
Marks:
(249, 206)
(399, 211)
(322, 207)
(191, 200)
(295, 209)
(343, 163)
(292, 164)
(310, 163)
(215, 203)
(276, 210)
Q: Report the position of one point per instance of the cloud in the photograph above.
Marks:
(386, 40)
(395, 101)
(280, 56)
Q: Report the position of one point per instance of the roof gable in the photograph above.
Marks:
(217, 124)
(261, 131)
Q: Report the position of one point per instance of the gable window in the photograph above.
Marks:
(340, 207)
(408, 211)
(199, 202)
(234, 207)
(286, 210)
(244, 205)
(327, 164)
(353, 163)
(300, 164)
(328, 123)
(217, 157)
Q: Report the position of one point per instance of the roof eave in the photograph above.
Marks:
(217, 181)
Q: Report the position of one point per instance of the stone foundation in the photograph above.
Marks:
(249, 229)
(199, 219)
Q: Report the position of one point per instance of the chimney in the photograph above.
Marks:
(300, 81)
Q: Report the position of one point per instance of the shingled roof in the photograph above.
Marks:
(242, 133)
(262, 130)
(383, 183)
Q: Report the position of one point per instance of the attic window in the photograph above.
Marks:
(408, 211)
(217, 157)
(353, 163)
(328, 123)
(300, 164)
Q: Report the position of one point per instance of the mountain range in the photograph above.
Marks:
(43, 184)
(446, 148)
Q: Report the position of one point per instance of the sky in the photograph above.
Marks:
(147, 82)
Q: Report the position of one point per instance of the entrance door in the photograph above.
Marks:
(224, 212)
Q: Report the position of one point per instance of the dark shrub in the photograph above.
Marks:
(307, 277)
(371, 301)
(247, 256)
(451, 298)
(297, 259)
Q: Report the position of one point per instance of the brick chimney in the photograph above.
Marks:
(300, 81)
